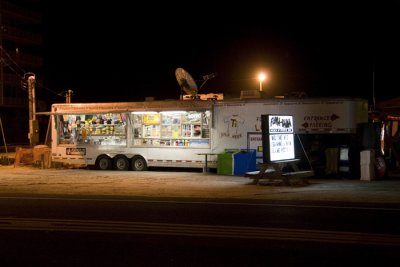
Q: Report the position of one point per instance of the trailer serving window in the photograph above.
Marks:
(92, 129)
(171, 128)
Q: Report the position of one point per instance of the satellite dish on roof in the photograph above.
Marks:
(186, 82)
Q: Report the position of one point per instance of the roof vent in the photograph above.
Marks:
(249, 94)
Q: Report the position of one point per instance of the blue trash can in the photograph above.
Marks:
(244, 161)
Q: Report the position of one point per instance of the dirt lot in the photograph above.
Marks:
(30, 180)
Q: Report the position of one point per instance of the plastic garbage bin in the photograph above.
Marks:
(244, 161)
(225, 162)
(236, 162)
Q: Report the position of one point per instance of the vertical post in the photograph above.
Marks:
(373, 89)
(33, 123)
(1, 59)
(1, 72)
(68, 96)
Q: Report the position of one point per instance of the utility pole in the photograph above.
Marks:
(68, 96)
(33, 123)
(1, 58)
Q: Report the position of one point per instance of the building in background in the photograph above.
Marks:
(21, 54)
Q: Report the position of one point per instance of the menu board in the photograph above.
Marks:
(278, 137)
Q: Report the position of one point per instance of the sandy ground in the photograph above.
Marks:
(83, 182)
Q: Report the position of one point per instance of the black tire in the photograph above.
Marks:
(138, 163)
(380, 167)
(103, 163)
(120, 163)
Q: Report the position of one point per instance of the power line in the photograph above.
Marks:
(50, 90)
(15, 63)
(22, 76)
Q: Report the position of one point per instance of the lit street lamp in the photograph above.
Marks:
(261, 78)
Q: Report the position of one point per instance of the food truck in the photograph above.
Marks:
(177, 133)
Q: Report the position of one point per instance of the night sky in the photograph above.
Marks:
(126, 52)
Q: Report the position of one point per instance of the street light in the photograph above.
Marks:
(261, 78)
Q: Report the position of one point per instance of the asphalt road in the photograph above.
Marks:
(75, 217)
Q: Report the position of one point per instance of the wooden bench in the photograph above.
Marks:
(275, 171)
(288, 177)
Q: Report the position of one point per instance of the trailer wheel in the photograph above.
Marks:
(139, 163)
(120, 163)
(104, 163)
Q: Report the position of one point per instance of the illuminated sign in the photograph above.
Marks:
(278, 137)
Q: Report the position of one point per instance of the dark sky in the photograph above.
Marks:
(125, 52)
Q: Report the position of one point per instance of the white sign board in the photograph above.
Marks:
(281, 146)
(278, 137)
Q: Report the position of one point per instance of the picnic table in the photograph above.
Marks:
(275, 170)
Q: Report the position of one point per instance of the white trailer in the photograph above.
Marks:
(175, 133)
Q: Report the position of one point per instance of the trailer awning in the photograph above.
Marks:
(46, 113)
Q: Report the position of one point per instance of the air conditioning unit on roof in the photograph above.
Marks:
(249, 94)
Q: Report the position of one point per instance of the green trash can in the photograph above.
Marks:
(225, 161)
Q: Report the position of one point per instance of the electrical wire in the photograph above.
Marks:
(12, 60)
(22, 77)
